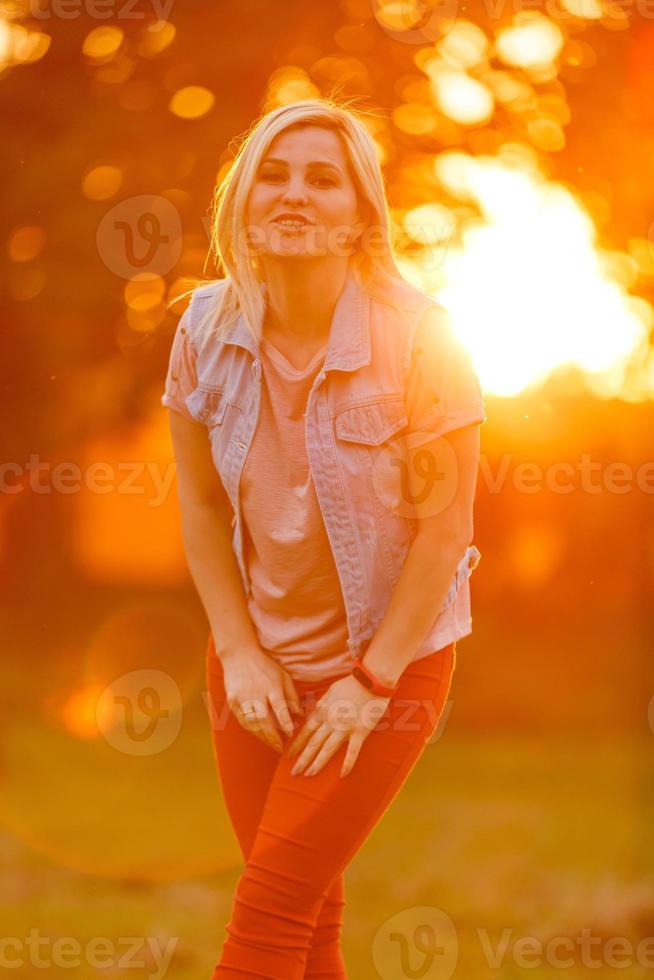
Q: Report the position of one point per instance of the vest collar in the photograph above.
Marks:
(348, 347)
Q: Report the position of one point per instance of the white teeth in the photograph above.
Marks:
(290, 223)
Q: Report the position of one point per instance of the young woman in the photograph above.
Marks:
(326, 516)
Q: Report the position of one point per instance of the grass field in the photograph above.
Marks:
(505, 836)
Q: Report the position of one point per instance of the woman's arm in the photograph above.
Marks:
(445, 529)
(206, 514)
(445, 409)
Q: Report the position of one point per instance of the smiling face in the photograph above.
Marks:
(303, 200)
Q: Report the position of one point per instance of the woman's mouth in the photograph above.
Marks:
(291, 222)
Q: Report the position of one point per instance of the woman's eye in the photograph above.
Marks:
(274, 177)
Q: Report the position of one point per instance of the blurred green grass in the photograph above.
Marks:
(544, 836)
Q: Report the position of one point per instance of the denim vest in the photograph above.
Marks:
(354, 408)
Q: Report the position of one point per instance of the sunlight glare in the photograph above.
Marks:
(544, 295)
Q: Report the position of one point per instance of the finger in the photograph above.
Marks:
(311, 749)
(269, 732)
(327, 751)
(310, 726)
(251, 708)
(255, 719)
(351, 754)
(291, 693)
(282, 713)
(269, 735)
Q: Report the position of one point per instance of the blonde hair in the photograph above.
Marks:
(241, 290)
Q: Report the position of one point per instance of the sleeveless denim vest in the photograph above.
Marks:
(355, 408)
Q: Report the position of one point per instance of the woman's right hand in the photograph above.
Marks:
(259, 691)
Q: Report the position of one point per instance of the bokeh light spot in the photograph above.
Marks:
(102, 43)
(102, 182)
(144, 292)
(191, 102)
(463, 99)
(532, 42)
(414, 118)
(156, 38)
(26, 242)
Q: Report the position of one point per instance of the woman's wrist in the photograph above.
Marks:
(377, 685)
(247, 650)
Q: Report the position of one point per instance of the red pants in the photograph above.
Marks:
(298, 833)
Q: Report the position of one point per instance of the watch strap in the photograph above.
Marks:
(365, 676)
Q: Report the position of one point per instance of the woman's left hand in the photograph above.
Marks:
(345, 712)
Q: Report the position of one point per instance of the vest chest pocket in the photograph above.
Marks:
(210, 406)
(371, 423)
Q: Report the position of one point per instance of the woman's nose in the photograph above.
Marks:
(294, 192)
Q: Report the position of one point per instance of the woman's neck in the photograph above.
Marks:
(302, 296)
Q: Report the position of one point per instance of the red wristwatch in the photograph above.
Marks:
(369, 681)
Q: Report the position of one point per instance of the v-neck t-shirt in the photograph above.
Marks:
(296, 603)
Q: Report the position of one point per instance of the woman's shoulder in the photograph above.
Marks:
(405, 312)
(209, 291)
(401, 294)
(202, 311)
